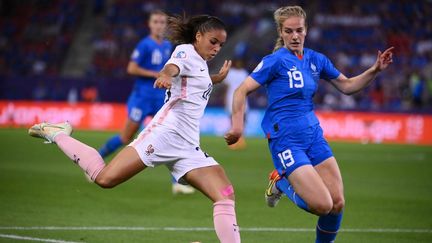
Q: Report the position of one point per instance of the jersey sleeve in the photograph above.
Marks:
(328, 71)
(181, 58)
(265, 70)
(139, 53)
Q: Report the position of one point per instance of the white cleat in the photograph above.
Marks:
(178, 188)
(272, 194)
(48, 131)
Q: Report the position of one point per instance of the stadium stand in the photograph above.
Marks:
(36, 35)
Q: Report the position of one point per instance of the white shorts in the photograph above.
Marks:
(159, 146)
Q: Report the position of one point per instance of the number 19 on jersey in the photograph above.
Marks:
(295, 79)
(286, 158)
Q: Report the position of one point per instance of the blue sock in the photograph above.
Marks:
(110, 146)
(284, 186)
(327, 227)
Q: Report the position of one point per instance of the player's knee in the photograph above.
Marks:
(322, 207)
(338, 205)
(105, 182)
(228, 192)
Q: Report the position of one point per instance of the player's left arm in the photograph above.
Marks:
(223, 72)
(165, 76)
(352, 85)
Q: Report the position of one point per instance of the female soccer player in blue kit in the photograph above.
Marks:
(306, 170)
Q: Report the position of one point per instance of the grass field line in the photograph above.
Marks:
(19, 237)
(247, 229)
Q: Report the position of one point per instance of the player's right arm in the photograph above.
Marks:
(165, 76)
(238, 109)
(262, 74)
(134, 69)
(353, 85)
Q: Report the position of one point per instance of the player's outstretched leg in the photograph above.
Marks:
(84, 156)
(126, 164)
(213, 182)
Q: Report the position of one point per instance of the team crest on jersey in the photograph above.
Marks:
(149, 150)
(258, 67)
(313, 67)
(156, 57)
(315, 72)
(180, 54)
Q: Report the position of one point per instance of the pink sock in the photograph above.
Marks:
(83, 155)
(225, 222)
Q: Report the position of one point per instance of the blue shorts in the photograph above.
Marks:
(139, 107)
(295, 148)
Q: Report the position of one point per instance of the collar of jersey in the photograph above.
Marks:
(292, 53)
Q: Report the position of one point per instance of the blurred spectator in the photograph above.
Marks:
(417, 87)
(89, 93)
(40, 92)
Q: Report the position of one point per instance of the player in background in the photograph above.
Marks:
(172, 137)
(233, 80)
(148, 58)
(306, 170)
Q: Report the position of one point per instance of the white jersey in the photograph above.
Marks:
(188, 96)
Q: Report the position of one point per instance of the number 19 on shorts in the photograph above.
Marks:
(286, 158)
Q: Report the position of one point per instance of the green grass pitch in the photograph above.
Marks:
(388, 196)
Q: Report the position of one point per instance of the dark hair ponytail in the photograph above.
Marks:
(182, 30)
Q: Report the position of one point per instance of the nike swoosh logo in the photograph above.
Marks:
(202, 70)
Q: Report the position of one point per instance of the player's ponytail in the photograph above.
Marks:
(182, 30)
(279, 44)
(283, 13)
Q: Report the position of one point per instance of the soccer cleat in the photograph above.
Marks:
(272, 194)
(48, 131)
(178, 188)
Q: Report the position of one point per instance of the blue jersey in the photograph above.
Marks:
(291, 83)
(150, 55)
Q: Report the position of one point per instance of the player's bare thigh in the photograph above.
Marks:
(122, 167)
(308, 184)
(212, 182)
(330, 174)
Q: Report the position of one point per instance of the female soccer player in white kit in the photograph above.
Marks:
(172, 137)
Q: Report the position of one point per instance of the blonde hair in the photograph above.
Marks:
(283, 13)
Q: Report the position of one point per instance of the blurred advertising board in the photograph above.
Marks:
(94, 116)
(338, 126)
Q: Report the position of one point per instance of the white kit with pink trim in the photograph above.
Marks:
(172, 137)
